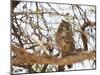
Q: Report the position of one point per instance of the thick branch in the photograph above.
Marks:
(23, 57)
(84, 34)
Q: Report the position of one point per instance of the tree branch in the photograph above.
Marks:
(14, 3)
(23, 57)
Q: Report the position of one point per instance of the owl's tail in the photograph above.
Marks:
(70, 66)
(61, 68)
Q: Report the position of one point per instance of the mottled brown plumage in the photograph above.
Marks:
(64, 39)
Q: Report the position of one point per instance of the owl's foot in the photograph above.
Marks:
(66, 54)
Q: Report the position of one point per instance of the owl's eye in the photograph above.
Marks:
(60, 29)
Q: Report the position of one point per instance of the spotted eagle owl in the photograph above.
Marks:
(64, 39)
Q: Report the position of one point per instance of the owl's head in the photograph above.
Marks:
(64, 26)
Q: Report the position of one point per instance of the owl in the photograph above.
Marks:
(64, 39)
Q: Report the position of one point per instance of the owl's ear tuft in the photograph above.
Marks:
(63, 20)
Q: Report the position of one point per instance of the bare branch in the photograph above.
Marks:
(23, 57)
